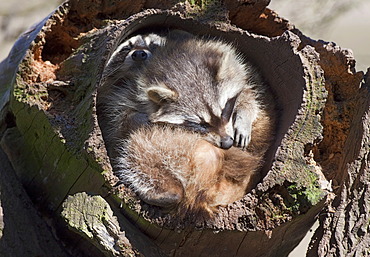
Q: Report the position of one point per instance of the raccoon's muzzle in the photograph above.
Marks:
(226, 142)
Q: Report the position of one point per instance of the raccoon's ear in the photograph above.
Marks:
(159, 95)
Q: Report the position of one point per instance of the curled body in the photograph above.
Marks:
(177, 169)
(200, 103)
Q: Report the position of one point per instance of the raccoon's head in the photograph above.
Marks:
(215, 126)
(194, 83)
(132, 54)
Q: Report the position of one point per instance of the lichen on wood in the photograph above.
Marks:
(91, 217)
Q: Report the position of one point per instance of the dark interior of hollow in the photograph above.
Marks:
(286, 84)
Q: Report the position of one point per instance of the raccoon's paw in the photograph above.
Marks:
(242, 131)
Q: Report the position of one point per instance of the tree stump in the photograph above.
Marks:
(318, 165)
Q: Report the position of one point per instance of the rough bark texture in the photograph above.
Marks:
(344, 226)
(22, 231)
(51, 136)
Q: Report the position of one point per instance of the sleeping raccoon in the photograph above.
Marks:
(200, 85)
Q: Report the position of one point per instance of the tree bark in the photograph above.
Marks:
(22, 230)
(51, 136)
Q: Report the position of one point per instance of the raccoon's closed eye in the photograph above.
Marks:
(198, 127)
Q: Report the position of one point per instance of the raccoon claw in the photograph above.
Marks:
(242, 130)
(241, 139)
(242, 134)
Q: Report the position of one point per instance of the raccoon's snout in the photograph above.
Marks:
(139, 55)
(226, 142)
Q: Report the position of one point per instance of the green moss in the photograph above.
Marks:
(35, 93)
(202, 4)
(301, 198)
(209, 10)
(313, 194)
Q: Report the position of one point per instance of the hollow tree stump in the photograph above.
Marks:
(51, 136)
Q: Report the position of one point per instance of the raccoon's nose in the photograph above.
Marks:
(226, 142)
(139, 55)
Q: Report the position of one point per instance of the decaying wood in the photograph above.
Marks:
(344, 226)
(51, 136)
(91, 217)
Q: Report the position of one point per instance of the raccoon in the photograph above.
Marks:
(206, 98)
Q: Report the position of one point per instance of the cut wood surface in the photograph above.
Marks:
(317, 167)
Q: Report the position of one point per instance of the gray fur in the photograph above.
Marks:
(187, 81)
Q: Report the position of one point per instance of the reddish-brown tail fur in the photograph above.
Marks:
(194, 176)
